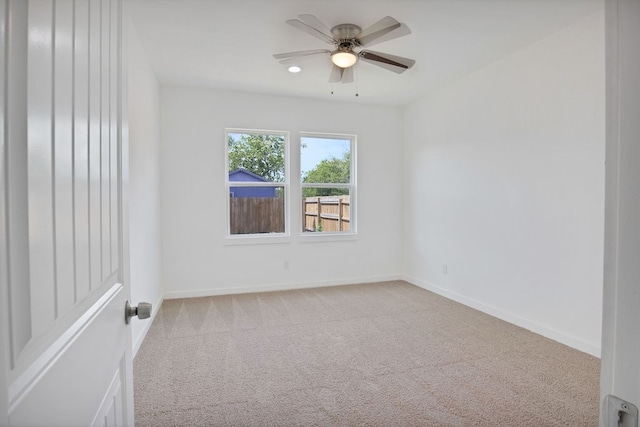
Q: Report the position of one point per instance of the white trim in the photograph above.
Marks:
(327, 236)
(326, 135)
(610, 298)
(147, 325)
(278, 287)
(19, 388)
(252, 184)
(257, 239)
(532, 326)
(325, 185)
(5, 343)
(255, 131)
(126, 363)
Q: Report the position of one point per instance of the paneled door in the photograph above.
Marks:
(65, 348)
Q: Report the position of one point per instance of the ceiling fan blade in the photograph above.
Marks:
(314, 22)
(394, 63)
(379, 29)
(301, 59)
(310, 30)
(293, 55)
(336, 74)
(347, 75)
(400, 31)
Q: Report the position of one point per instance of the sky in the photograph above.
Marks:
(318, 149)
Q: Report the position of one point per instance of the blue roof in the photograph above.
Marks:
(248, 173)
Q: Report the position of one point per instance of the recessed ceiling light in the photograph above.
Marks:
(294, 69)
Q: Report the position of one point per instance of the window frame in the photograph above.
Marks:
(258, 237)
(351, 186)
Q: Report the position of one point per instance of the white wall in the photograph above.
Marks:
(144, 180)
(196, 260)
(504, 184)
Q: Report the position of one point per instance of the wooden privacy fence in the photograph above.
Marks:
(329, 213)
(256, 215)
(249, 215)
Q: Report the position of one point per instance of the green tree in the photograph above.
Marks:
(329, 171)
(260, 154)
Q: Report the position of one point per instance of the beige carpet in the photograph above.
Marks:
(384, 354)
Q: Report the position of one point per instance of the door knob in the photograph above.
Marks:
(143, 311)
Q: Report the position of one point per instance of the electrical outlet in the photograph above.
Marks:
(445, 269)
(286, 265)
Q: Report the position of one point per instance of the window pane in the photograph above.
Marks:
(326, 213)
(325, 160)
(256, 157)
(256, 210)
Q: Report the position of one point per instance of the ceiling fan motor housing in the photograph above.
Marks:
(345, 35)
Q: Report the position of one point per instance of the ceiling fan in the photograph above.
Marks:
(346, 38)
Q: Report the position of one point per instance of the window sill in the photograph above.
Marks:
(256, 240)
(327, 237)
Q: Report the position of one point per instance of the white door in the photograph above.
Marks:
(65, 348)
(621, 325)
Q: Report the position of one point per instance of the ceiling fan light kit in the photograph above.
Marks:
(346, 38)
(344, 58)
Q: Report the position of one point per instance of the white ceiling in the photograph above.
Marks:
(228, 43)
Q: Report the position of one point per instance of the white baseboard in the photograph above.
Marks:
(509, 317)
(147, 325)
(485, 308)
(277, 287)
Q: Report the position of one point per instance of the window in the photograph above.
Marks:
(256, 182)
(327, 166)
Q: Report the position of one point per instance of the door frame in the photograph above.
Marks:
(123, 137)
(4, 294)
(620, 366)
